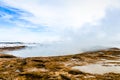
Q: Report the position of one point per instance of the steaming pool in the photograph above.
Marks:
(43, 51)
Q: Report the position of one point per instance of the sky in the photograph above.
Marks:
(75, 22)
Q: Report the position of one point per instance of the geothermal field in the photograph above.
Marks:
(101, 64)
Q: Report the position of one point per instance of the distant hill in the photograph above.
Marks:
(11, 43)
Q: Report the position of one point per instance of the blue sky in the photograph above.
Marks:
(71, 21)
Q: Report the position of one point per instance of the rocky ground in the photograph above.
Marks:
(62, 67)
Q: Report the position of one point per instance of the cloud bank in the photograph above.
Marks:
(74, 22)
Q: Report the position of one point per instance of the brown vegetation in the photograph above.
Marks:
(55, 68)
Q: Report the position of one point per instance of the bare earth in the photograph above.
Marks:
(95, 65)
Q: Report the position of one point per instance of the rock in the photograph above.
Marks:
(17, 71)
(75, 72)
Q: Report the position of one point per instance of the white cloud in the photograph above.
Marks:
(62, 14)
(24, 35)
(65, 17)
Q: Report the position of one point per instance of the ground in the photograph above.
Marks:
(60, 67)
